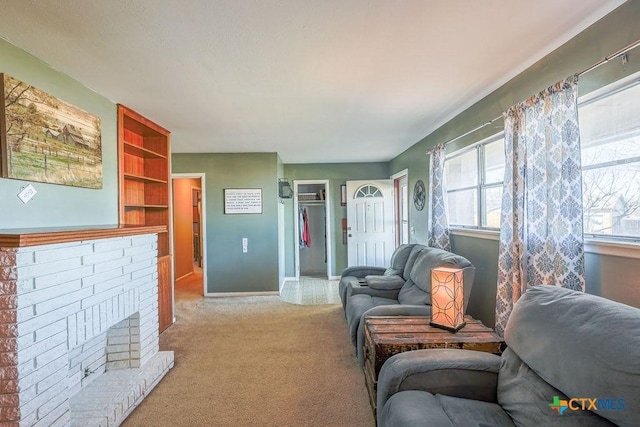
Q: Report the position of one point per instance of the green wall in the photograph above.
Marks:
(230, 270)
(336, 174)
(58, 205)
(613, 32)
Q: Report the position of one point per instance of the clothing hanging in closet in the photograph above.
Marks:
(306, 236)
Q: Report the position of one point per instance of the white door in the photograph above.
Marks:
(370, 234)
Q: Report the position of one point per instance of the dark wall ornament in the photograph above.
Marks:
(419, 195)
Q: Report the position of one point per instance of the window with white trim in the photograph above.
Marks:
(610, 143)
(474, 177)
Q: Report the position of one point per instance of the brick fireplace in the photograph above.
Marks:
(78, 330)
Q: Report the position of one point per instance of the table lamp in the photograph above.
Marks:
(447, 298)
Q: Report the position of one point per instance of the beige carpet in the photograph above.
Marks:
(256, 361)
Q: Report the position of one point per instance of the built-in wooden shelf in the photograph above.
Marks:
(25, 237)
(146, 206)
(145, 192)
(139, 151)
(140, 178)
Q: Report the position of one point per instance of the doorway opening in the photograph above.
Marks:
(401, 192)
(313, 237)
(189, 236)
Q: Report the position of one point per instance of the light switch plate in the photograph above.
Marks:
(27, 193)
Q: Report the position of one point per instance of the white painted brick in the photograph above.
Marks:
(51, 380)
(120, 364)
(51, 355)
(47, 321)
(28, 394)
(52, 332)
(48, 293)
(114, 340)
(25, 341)
(140, 265)
(27, 285)
(101, 277)
(28, 354)
(26, 366)
(43, 282)
(26, 313)
(100, 257)
(88, 323)
(119, 281)
(145, 256)
(63, 300)
(80, 333)
(43, 372)
(72, 328)
(25, 256)
(117, 348)
(35, 270)
(147, 271)
(100, 297)
(118, 332)
(53, 409)
(56, 254)
(144, 239)
(62, 421)
(111, 357)
(116, 264)
(115, 287)
(105, 245)
(141, 249)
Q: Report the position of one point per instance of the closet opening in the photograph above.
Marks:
(312, 223)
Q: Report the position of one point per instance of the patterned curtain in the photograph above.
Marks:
(439, 225)
(541, 239)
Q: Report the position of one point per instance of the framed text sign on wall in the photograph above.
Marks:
(243, 200)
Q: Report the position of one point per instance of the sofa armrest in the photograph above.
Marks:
(364, 288)
(387, 310)
(467, 374)
(361, 271)
(391, 282)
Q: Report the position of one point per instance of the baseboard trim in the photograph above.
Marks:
(241, 294)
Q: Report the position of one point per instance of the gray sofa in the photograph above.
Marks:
(402, 289)
(562, 345)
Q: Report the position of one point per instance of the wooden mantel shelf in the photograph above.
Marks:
(20, 238)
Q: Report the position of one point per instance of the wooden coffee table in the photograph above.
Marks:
(389, 335)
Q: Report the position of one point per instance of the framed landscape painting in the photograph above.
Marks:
(45, 139)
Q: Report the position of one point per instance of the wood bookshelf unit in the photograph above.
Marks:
(144, 192)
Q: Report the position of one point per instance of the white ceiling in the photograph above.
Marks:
(317, 81)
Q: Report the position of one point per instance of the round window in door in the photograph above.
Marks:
(368, 191)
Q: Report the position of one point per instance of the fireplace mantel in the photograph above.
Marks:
(23, 237)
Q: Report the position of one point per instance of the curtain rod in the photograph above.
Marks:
(603, 61)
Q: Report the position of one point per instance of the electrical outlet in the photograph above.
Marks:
(27, 193)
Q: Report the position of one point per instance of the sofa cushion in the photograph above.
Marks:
(399, 260)
(419, 408)
(385, 282)
(413, 255)
(526, 398)
(580, 344)
(411, 294)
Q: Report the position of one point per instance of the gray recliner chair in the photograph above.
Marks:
(565, 349)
